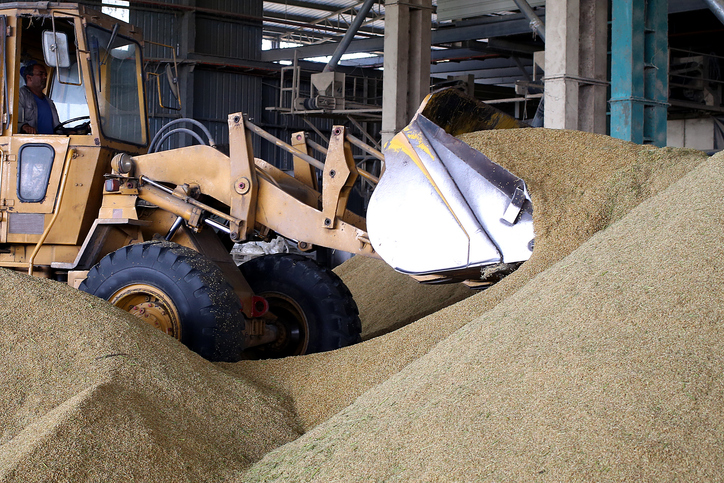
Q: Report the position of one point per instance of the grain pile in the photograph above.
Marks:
(90, 393)
(579, 184)
(605, 367)
(599, 359)
(388, 300)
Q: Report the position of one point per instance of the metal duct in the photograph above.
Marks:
(717, 7)
(537, 24)
(349, 36)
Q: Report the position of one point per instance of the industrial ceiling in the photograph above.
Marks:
(495, 47)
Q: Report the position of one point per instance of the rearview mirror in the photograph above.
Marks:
(172, 82)
(55, 49)
(171, 78)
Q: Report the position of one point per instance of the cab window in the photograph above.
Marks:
(64, 85)
(68, 96)
(117, 72)
(35, 162)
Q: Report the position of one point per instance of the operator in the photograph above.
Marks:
(37, 112)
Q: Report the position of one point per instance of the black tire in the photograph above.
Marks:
(315, 309)
(207, 313)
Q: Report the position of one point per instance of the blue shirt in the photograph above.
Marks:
(45, 115)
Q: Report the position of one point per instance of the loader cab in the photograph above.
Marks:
(95, 75)
(95, 80)
(40, 43)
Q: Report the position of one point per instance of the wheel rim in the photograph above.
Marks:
(292, 324)
(150, 305)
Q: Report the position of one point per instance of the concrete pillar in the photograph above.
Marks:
(406, 64)
(575, 65)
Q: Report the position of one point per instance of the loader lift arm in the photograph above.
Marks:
(255, 193)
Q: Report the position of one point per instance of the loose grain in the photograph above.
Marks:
(90, 393)
(600, 358)
(607, 366)
(579, 184)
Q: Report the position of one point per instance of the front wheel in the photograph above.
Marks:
(178, 291)
(314, 308)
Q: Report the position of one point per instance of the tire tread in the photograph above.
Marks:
(214, 324)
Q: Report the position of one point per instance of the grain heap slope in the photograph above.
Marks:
(605, 367)
(385, 297)
(91, 393)
(579, 183)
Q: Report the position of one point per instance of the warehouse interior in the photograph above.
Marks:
(647, 72)
(256, 254)
(494, 48)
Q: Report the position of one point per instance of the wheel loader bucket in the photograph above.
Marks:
(443, 211)
(458, 113)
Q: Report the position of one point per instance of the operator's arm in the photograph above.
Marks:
(54, 111)
(26, 111)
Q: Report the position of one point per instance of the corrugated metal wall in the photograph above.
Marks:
(159, 27)
(245, 7)
(233, 33)
(218, 94)
(225, 32)
(227, 39)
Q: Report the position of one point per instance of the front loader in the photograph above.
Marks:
(151, 231)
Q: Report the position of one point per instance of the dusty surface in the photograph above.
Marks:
(599, 359)
(606, 367)
(89, 393)
(384, 297)
(579, 184)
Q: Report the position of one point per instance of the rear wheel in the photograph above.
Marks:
(178, 291)
(315, 310)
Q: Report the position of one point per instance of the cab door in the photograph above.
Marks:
(32, 170)
(32, 165)
(31, 178)
(4, 118)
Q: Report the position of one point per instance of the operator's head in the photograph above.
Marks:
(34, 75)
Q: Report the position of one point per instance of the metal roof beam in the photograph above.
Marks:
(454, 54)
(366, 45)
(502, 78)
(478, 66)
(678, 6)
(518, 24)
(337, 20)
(303, 4)
(490, 27)
(332, 9)
(275, 32)
(286, 16)
(272, 16)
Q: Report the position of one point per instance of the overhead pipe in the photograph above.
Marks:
(717, 7)
(349, 36)
(535, 23)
